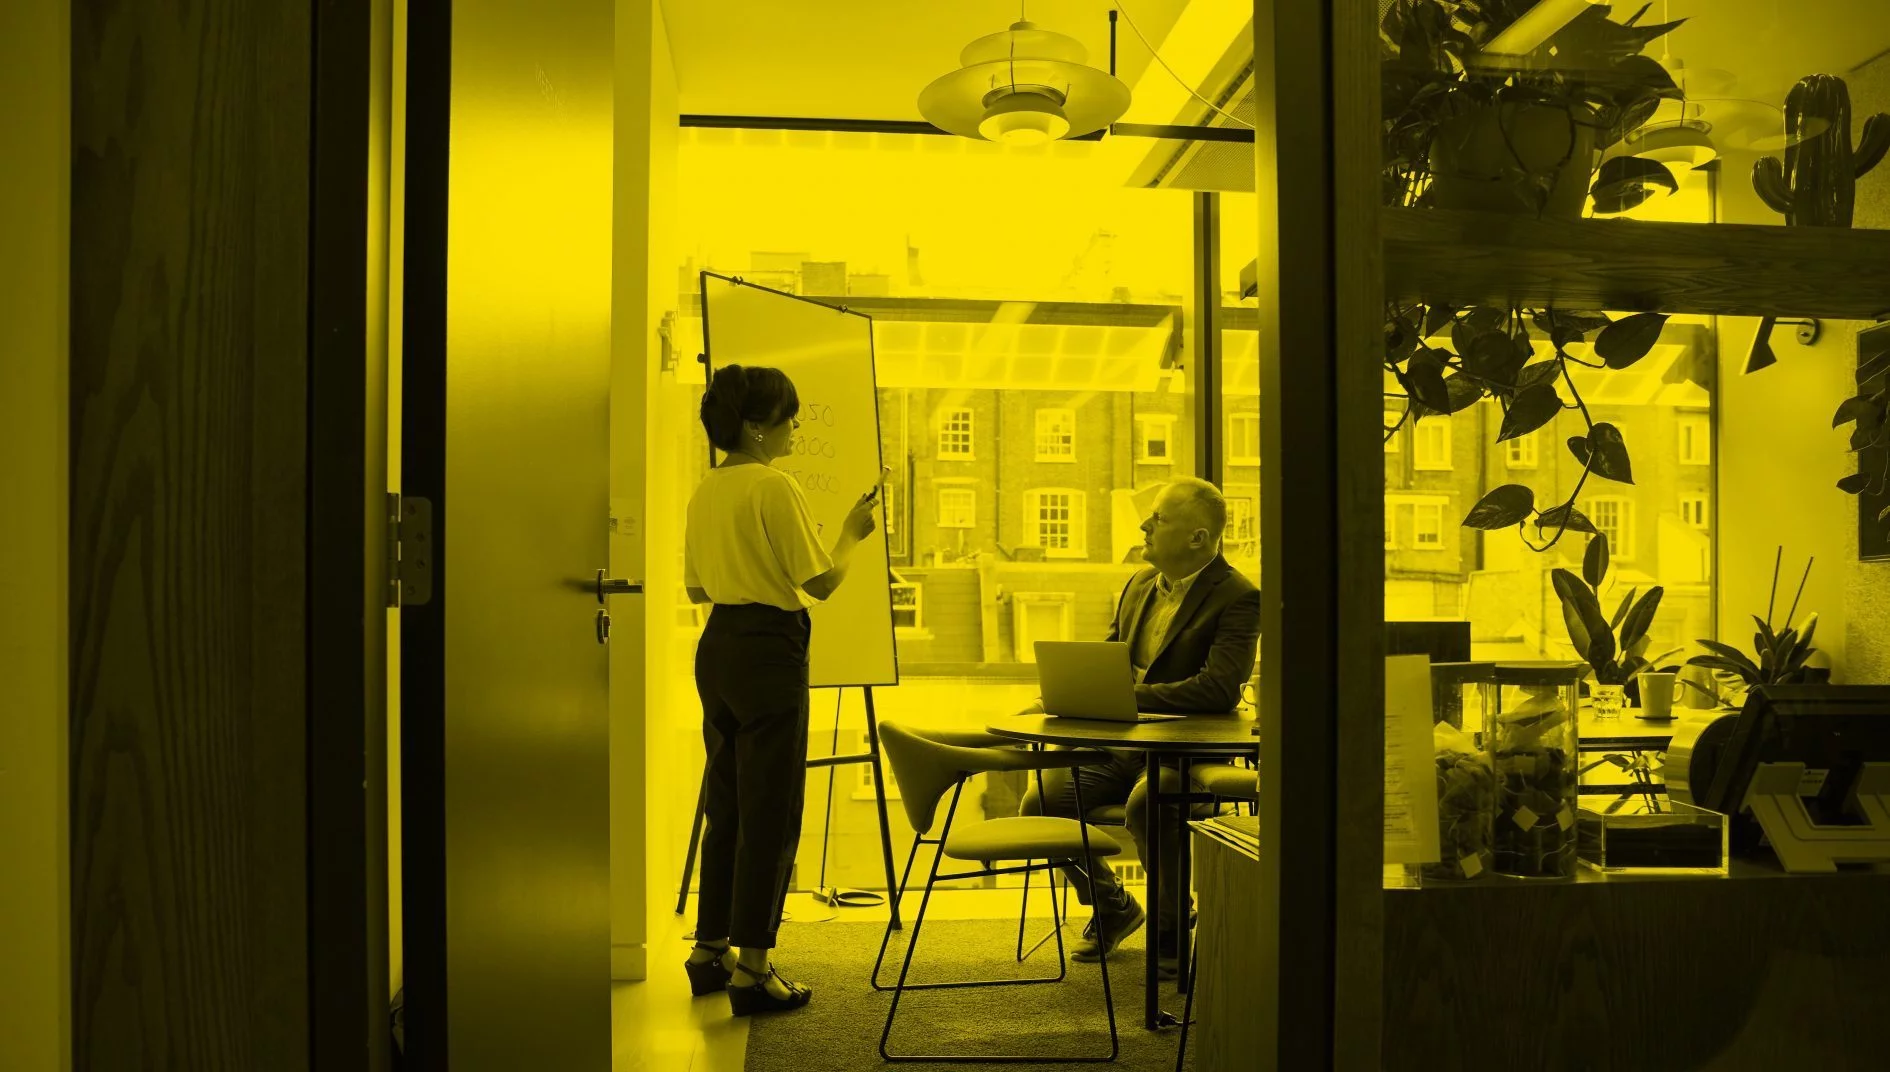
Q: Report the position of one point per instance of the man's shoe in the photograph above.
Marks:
(1106, 931)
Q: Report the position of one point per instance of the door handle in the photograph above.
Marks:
(608, 586)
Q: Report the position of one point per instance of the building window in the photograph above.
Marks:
(1427, 526)
(1614, 518)
(1522, 451)
(1056, 519)
(1391, 525)
(1243, 439)
(1693, 511)
(954, 434)
(863, 789)
(1056, 435)
(1242, 526)
(1393, 439)
(1696, 439)
(1158, 439)
(895, 527)
(908, 605)
(1432, 439)
(957, 508)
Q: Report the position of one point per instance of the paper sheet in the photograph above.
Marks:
(1410, 774)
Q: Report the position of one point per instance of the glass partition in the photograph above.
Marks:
(1033, 353)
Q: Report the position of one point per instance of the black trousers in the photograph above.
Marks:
(1123, 780)
(751, 673)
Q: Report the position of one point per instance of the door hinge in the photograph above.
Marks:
(409, 550)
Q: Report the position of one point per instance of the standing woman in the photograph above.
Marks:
(752, 549)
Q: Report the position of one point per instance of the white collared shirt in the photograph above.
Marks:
(1163, 604)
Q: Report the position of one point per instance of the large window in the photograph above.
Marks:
(1696, 439)
(1243, 439)
(1613, 516)
(1522, 451)
(1032, 345)
(1056, 435)
(1432, 438)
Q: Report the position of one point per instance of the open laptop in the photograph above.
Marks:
(1089, 679)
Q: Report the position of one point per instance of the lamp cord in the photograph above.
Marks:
(1182, 82)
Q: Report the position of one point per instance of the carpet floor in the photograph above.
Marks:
(839, 1030)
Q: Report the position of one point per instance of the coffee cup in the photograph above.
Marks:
(1659, 690)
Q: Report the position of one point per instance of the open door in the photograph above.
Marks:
(505, 451)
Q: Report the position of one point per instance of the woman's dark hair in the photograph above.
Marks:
(746, 393)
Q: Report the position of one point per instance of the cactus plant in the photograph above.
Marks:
(1816, 186)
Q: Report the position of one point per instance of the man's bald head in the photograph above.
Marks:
(1183, 533)
(1203, 504)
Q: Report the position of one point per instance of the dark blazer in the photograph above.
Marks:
(1209, 650)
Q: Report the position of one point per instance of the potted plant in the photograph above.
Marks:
(1467, 126)
(1615, 649)
(1782, 653)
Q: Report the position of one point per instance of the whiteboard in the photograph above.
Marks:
(828, 353)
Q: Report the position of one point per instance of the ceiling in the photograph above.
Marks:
(1770, 44)
(867, 59)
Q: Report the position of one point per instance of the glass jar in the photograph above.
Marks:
(1530, 734)
(1466, 789)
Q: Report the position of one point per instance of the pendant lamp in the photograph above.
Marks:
(1024, 86)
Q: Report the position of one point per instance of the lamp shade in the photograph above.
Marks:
(1681, 145)
(1023, 86)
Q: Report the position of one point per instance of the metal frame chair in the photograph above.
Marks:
(926, 765)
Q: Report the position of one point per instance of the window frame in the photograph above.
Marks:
(947, 419)
(1144, 422)
(1418, 512)
(1419, 459)
(1394, 431)
(1705, 506)
(1061, 414)
(1235, 439)
(1621, 542)
(1078, 522)
(1529, 446)
(970, 494)
(1690, 421)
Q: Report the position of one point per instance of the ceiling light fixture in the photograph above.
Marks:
(1024, 86)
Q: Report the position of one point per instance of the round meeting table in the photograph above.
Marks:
(1204, 736)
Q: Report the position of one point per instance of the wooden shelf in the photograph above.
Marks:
(1636, 266)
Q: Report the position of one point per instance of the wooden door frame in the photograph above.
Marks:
(1316, 170)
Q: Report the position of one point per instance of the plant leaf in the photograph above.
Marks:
(1625, 182)
(1855, 483)
(1436, 317)
(1599, 651)
(1424, 379)
(1609, 451)
(1495, 356)
(1542, 372)
(1621, 612)
(1629, 339)
(1462, 391)
(1501, 508)
(1747, 674)
(1730, 654)
(1595, 560)
(1861, 407)
(1577, 521)
(1532, 408)
(1641, 617)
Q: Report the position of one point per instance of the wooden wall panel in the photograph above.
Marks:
(189, 263)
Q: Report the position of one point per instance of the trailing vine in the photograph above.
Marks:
(1488, 355)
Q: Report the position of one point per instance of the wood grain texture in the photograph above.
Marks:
(1759, 971)
(1228, 950)
(1633, 265)
(189, 341)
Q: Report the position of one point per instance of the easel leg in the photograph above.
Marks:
(695, 840)
(879, 799)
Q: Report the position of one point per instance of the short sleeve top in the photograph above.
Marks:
(750, 538)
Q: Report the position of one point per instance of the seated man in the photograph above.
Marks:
(1191, 622)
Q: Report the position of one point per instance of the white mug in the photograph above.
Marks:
(1659, 690)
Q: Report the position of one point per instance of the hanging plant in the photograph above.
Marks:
(1489, 356)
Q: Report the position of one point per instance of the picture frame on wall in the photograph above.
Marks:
(1873, 367)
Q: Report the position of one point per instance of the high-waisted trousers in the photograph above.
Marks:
(751, 673)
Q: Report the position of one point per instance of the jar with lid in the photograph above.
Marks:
(1465, 784)
(1531, 731)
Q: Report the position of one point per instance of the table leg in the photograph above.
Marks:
(1184, 878)
(1152, 1011)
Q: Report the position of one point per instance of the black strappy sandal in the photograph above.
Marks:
(708, 976)
(748, 1000)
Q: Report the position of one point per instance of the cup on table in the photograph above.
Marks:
(1659, 690)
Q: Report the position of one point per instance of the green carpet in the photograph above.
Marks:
(839, 1030)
